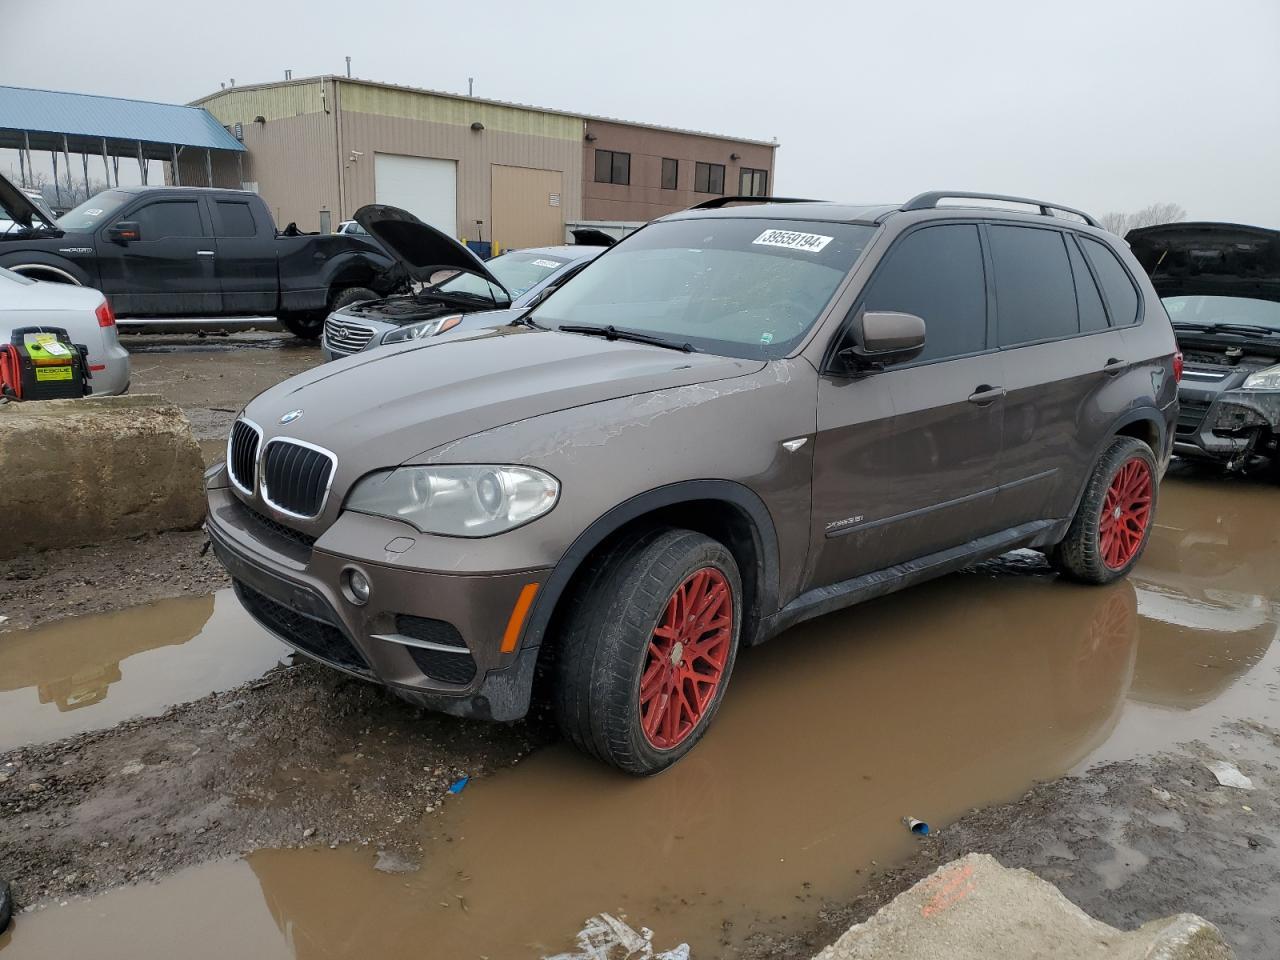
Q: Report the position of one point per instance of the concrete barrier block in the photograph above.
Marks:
(74, 472)
(975, 909)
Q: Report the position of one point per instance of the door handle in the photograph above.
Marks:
(204, 253)
(985, 394)
(1113, 366)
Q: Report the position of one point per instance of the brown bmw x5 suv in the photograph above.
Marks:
(740, 417)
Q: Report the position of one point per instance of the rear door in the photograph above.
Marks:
(906, 460)
(169, 270)
(246, 257)
(1063, 363)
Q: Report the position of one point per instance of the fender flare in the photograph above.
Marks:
(1149, 414)
(686, 491)
(370, 262)
(33, 262)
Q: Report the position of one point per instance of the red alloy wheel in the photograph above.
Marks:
(1126, 512)
(687, 656)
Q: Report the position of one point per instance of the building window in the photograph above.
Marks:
(670, 173)
(753, 183)
(708, 178)
(613, 167)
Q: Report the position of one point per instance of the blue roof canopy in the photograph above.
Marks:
(44, 117)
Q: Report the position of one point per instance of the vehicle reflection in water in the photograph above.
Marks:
(85, 673)
(928, 703)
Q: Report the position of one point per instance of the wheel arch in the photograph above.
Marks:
(725, 510)
(49, 270)
(1142, 423)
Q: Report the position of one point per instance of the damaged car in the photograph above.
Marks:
(452, 284)
(1220, 283)
(736, 419)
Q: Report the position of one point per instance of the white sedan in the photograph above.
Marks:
(84, 313)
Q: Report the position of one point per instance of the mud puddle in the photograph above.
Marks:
(91, 672)
(930, 703)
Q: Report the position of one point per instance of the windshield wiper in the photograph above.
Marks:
(613, 333)
(1226, 327)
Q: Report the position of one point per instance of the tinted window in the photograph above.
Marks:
(937, 274)
(237, 219)
(1093, 316)
(1035, 295)
(1117, 287)
(613, 167)
(169, 218)
(670, 173)
(708, 178)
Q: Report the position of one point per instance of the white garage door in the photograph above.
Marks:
(426, 187)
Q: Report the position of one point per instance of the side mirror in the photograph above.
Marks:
(124, 231)
(884, 337)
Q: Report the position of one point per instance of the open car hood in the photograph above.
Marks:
(1210, 259)
(419, 247)
(18, 207)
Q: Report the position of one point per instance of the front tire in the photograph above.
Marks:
(648, 645)
(1113, 522)
(309, 324)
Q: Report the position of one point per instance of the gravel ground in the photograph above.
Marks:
(1127, 842)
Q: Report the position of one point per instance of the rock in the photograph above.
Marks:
(110, 467)
(35, 786)
(974, 909)
(391, 862)
(132, 769)
(308, 833)
(1229, 775)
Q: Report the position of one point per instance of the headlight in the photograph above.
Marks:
(457, 501)
(420, 331)
(1268, 379)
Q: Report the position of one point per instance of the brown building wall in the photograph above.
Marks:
(644, 198)
(476, 152)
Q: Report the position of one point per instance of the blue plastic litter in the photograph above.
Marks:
(459, 785)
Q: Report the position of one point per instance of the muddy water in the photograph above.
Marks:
(953, 695)
(87, 673)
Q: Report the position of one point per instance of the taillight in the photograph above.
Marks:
(108, 319)
(1177, 366)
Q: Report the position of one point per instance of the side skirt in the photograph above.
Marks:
(822, 600)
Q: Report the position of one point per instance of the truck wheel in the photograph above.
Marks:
(1113, 522)
(648, 644)
(350, 295)
(303, 324)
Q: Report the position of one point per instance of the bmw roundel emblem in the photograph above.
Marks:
(291, 416)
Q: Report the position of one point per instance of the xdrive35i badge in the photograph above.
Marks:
(291, 416)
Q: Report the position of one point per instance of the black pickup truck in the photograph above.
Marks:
(176, 252)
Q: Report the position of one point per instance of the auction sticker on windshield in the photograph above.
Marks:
(809, 242)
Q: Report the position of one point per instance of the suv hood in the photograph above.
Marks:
(390, 406)
(419, 247)
(1210, 259)
(18, 207)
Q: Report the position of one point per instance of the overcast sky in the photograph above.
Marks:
(1101, 105)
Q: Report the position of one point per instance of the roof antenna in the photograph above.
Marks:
(348, 68)
(471, 83)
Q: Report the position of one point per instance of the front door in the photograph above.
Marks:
(906, 460)
(169, 270)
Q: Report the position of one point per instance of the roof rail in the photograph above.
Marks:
(715, 203)
(929, 201)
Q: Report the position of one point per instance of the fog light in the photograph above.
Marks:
(358, 586)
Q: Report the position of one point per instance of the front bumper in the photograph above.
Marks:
(1233, 426)
(433, 638)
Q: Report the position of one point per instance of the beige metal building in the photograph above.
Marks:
(321, 147)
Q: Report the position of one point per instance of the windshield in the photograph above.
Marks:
(739, 287)
(518, 272)
(94, 212)
(1215, 310)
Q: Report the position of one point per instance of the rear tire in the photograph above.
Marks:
(647, 649)
(309, 324)
(1113, 522)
